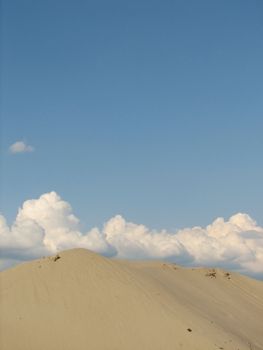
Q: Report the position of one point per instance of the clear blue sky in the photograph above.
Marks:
(149, 109)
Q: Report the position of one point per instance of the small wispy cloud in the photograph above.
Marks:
(20, 147)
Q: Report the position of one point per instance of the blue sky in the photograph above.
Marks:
(149, 109)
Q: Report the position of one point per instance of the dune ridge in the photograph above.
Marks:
(81, 300)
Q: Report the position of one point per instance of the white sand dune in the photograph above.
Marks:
(85, 301)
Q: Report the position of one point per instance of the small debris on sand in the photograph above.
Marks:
(56, 257)
(211, 273)
(227, 275)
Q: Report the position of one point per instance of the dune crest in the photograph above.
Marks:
(81, 300)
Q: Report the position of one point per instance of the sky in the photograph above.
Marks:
(150, 110)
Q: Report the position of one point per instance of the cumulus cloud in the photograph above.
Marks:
(20, 147)
(47, 225)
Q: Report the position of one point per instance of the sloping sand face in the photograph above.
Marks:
(81, 300)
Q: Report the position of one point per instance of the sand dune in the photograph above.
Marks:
(85, 301)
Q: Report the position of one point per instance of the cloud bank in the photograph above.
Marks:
(47, 225)
(20, 147)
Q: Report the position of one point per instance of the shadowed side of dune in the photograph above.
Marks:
(81, 300)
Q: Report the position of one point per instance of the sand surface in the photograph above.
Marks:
(85, 301)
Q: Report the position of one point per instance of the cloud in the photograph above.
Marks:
(47, 225)
(20, 147)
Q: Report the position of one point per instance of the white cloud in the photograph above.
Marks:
(48, 225)
(20, 147)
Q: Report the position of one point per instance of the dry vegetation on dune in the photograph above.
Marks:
(81, 300)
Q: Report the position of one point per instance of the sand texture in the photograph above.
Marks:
(83, 301)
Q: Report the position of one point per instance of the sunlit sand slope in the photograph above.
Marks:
(80, 300)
